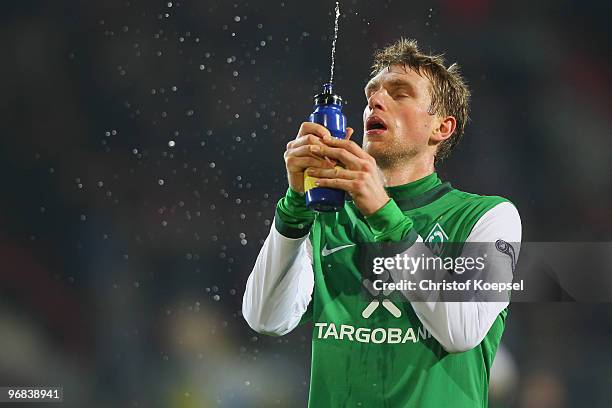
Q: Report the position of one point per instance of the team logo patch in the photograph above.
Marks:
(436, 238)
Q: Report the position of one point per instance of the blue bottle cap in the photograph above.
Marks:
(328, 97)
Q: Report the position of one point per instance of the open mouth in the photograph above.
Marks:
(375, 125)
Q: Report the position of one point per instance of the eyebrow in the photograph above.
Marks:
(391, 83)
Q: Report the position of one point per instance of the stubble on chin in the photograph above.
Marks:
(388, 157)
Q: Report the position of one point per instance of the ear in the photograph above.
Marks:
(445, 129)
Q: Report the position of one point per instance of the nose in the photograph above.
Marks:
(376, 100)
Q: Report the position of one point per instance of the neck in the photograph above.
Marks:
(414, 169)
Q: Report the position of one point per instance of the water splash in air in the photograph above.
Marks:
(333, 52)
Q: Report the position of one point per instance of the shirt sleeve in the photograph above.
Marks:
(280, 285)
(461, 326)
(389, 224)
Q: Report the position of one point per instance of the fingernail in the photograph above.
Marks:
(310, 171)
(315, 148)
(317, 183)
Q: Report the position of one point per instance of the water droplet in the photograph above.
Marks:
(216, 298)
(160, 182)
(171, 143)
(236, 18)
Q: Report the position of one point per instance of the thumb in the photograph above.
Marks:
(349, 132)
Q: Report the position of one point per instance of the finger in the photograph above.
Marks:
(342, 184)
(310, 150)
(313, 128)
(349, 159)
(336, 172)
(349, 133)
(304, 151)
(304, 140)
(349, 145)
(299, 164)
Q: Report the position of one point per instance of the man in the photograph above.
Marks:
(423, 352)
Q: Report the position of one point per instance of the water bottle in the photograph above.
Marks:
(327, 112)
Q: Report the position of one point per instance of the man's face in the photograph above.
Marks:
(396, 121)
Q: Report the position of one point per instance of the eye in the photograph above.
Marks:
(400, 93)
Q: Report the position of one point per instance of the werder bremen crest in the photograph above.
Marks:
(436, 238)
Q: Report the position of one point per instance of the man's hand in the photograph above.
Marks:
(359, 177)
(299, 154)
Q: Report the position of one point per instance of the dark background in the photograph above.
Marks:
(141, 162)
